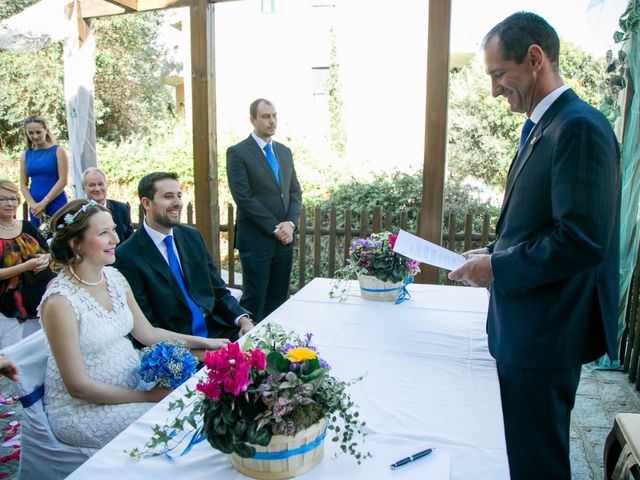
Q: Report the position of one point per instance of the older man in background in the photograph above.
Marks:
(94, 184)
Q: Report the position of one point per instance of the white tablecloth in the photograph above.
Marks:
(430, 382)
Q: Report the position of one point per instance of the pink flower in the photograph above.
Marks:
(258, 359)
(228, 370)
(210, 390)
(392, 240)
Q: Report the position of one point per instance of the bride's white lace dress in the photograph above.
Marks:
(109, 357)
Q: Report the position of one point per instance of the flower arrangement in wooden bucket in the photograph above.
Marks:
(285, 456)
(267, 404)
(383, 274)
(372, 288)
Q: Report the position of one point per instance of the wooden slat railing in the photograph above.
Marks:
(322, 244)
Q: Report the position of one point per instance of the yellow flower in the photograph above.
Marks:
(301, 354)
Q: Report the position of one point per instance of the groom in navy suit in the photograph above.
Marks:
(263, 182)
(170, 271)
(553, 269)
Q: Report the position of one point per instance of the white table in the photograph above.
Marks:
(430, 381)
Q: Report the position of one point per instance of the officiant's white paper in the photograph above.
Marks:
(424, 251)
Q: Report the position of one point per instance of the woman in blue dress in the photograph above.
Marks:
(44, 169)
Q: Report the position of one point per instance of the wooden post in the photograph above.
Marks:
(205, 163)
(435, 144)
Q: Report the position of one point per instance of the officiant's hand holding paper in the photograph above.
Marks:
(424, 251)
(476, 271)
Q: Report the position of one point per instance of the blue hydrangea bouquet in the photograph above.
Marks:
(168, 364)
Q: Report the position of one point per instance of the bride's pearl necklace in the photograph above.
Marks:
(84, 282)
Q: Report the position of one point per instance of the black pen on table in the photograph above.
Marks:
(412, 458)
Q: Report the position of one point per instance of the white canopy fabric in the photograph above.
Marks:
(33, 29)
(36, 26)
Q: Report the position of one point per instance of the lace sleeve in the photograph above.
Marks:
(63, 287)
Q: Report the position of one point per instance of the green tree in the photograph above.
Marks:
(130, 95)
(484, 133)
(337, 134)
(31, 83)
(130, 65)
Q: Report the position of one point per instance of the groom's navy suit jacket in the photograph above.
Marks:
(158, 293)
(554, 299)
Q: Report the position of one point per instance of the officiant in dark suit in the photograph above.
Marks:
(94, 184)
(170, 271)
(263, 182)
(553, 269)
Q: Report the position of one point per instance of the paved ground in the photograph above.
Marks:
(601, 394)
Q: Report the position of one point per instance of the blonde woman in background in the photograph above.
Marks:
(44, 168)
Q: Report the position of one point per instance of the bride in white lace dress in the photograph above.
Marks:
(92, 389)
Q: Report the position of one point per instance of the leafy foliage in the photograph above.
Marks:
(130, 95)
(401, 191)
(484, 133)
(130, 65)
(337, 134)
(31, 83)
(617, 66)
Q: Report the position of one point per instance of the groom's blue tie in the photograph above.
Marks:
(273, 162)
(526, 129)
(198, 325)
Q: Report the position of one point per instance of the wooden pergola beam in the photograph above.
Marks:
(435, 136)
(205, 163)
(107, 8)
(128, 5)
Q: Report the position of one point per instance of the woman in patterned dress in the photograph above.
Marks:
(24, 259)
(92, 388)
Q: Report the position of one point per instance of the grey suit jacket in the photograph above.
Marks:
(262, 203)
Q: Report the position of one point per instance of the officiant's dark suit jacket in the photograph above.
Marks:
(121, 214)
(158, 293)
(554, 299)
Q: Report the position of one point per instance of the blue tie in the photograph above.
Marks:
(273, 162)
(198, 325)
(526, 129)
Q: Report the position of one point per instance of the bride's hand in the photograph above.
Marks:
(158, 393)
(216, 343)
(212, 344)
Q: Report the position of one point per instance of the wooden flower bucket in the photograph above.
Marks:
(372, 288)
(285, 456)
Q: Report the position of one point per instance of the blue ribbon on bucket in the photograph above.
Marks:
(198, 436)
(404, 293)
(313, 444)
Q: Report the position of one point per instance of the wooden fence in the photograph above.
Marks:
(322, 242)
(324, 236)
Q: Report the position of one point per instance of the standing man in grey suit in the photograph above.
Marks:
(263, 182)
(553, 269)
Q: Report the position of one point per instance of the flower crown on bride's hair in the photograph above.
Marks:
(69, 218)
